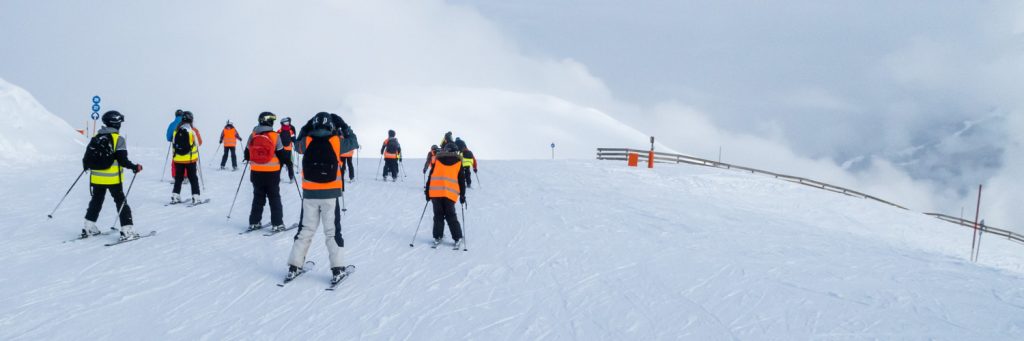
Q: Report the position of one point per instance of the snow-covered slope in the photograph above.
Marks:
(30, 132)
(557, 250)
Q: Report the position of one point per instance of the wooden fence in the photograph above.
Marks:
(622, 154)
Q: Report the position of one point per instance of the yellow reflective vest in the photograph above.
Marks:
(109, 176)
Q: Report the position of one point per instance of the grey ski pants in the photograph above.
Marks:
(314, 212)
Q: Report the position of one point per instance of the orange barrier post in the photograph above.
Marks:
(634, 159)
(650, 159)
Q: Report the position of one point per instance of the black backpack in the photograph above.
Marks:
(320, 163)
(182, 145)
(393, 145)
(99, 154)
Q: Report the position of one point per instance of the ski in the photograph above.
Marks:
(151, 233)
(248, 230)
(198, 203)
(309, 266)
(289, 228)
(348, 273)
(173, 203)
(112, 230)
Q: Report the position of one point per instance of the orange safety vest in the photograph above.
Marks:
(290, 131)
(388, 155)
(274, 164)
(229, 137)
(444, 181)
(325, 188)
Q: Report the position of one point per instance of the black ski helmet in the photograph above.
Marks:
(391, 133)
(287, 120)
(186, 117)
(113, 119)
(178, 113)
(322, 120)
(460, 143)
(434, 148)
(229, 124)
(267, 118)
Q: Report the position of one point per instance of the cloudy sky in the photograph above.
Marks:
(913, 101)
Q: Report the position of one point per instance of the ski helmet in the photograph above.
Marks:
(322, 120)
(391, 133)
(287, 120)
(178, 113)
(267, 118)
(186, 117)
(434, 148)
(460, 143)
(113, 119)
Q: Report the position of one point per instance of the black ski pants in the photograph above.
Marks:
(468, 172)
(444, 210)
(351, 169)
(96, 203)
(291, 168)
(391, 166)
(179, 176)
(266, 186)
(224, 160)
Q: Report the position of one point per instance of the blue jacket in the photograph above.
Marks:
(172, 127)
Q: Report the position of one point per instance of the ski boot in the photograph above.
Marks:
(234, 168)
(338, 274)
(127, 233)
(458, 244)
(293, 271)
(254, 227)
(196, 200)
(175, 198)
(437, 241)
(277, 228)
(90, 229)
(222, 168)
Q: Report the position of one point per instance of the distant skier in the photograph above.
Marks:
(108, 148)
(446, 139)
(287, 134)
(392, 152)
(265, 153)
(185, 143)
(229, 137)
(430, 158)
(445, 186)
(170, 131)
(346, 163)
(467, 161)
(321, 148)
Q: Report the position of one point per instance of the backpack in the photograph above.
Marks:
(393, 146)
(182, 145)
(261, 149)
(99, 153)
(320, 163)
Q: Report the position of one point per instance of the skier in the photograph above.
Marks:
(467, 160)
(430, 158)
(265, 153)
(446, 185)
(287, 134)
(109, 179)
(229, 137)
(322, 184)
(446, 139)
(392, 151)
(186, 144)
(170, 131)
(346, 163)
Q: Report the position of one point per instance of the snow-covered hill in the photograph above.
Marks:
(557, 250)
(30, 132)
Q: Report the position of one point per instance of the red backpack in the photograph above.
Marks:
(261, 149)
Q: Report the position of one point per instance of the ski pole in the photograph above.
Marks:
(167, 156)
(124, 203)
(404, 173)
(237, 189)
(50, 216)
(215, 151)
(343, 208)
(477, 180)
(297, 188)
(359, 152)
(465, 242)
(418, 224)
(378, 166)
(202, 179)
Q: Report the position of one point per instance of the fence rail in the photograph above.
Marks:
(622, 154)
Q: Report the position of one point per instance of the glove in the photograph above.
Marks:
(245, 155)
(424, 171)
(426, 194)
(138, 168)
(462, 199)
(474, 170)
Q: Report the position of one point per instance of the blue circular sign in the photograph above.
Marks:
(96, 99)
(95, 108)
(95, 116)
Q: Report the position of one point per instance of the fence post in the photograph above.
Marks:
(650, 155)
